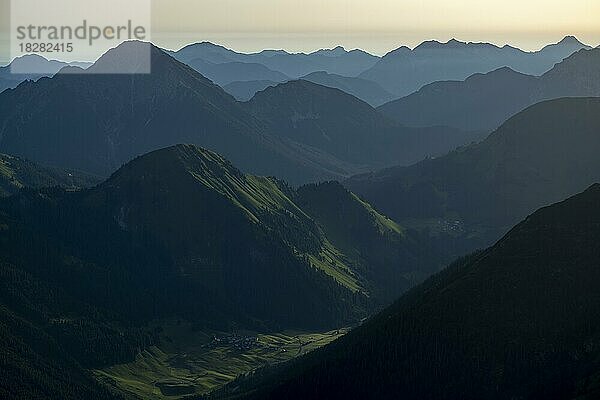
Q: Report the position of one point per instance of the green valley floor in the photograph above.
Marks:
(192, 362)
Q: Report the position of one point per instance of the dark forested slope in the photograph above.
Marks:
(517, 321)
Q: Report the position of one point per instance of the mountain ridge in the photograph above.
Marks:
(404, 71)
(484, 101)
(340, 124)
(118, 126)
(526, 163)
(479, 326)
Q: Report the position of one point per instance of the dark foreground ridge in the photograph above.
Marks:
(518, 320)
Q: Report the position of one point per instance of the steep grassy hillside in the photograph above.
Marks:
(519, 321)
(389, 258)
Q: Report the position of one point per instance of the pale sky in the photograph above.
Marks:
(377, 26)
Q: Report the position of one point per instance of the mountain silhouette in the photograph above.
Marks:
(333, 122)
(115, 117)
(484, 101)
(404, 71)
(30, 67)
(295, 65)
(180, 233)
(363, 89)
(225, 73)
(513, 321)
(539, 156)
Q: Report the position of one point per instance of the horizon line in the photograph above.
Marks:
(309, 52)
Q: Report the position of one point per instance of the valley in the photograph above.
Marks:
(189, 361)
(420, 224)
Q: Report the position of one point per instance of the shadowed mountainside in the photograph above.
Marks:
(181, 234)
(484, 101)
(543, 154)
(404, 71)
(336, 123)
(517, 320)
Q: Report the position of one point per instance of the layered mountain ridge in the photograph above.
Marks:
(180, 233)
(514, 321)
(541, 155)
(404, 71)
(484, 101)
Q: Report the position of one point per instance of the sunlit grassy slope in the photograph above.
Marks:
(194, 362)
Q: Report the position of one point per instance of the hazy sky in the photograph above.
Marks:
(374, 25)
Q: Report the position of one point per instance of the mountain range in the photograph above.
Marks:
(517, 320)
(543, 154)
(317, 117)
(404, 71)
(172, 104)
(373, 79)
(295, 65)
(115, 117)
(295, 212)
(30, 67)
(336, 67)
(181, 233)
(484, 101)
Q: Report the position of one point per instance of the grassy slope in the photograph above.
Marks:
(518, 321)
(188, 362)
(262, 201)
(255, 195)
(16, 173)
(138, 245)
(387, 258)
(88, 280)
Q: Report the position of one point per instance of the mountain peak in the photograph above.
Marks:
(567, 44)
(204, 44)
(402, 50)
(180, 155)
(300, 90)
(434, 44)
(430, 44)
(334, 52)
(570, 40)
(29, 58)
(35, 64)
(176, 164)
(129, 57)
(504, 71)
(273, 52)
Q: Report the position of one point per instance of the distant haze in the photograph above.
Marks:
(377, 26)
